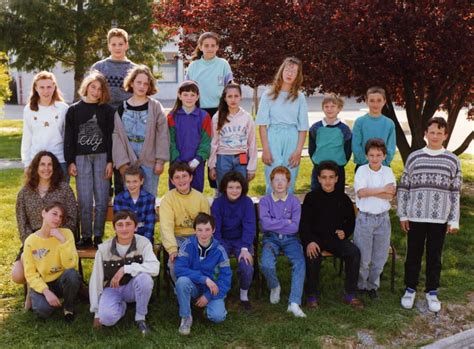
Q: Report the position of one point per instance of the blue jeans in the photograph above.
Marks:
(187, 290)
(150, 183)
(273, 243)
(227, 163)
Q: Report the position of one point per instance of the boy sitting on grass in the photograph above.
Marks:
(203, 273)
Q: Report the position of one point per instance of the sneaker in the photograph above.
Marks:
(296, 310)
(84, 243)
(97, 241)
(68, 316)
(275, 295)
(353, 301)
(142, 327)
(246, 305)
(434, 305)
(408, 298)
(373, 294)
(312, 302)
(185, 326)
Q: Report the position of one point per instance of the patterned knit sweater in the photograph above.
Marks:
(430, 188)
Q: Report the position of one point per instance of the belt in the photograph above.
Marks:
(136, 139)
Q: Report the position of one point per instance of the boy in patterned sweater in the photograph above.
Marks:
(428, 207)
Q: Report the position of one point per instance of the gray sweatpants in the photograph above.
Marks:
(372, 237)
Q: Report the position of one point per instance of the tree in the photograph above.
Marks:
(40, 33)
(418, 51)
(4, 79)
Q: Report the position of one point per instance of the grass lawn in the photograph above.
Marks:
(267, 326)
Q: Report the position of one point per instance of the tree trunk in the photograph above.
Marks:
(79, 68)
(402, 142)
(255, 101)
(464, 144)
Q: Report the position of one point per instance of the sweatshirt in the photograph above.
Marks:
(89, 128)
(43, 130)
(322, 214)
(281, 216)
(177, 214)
(235, 220)
(235, 137)
(330, 142)
(215, 265)
(45, 260)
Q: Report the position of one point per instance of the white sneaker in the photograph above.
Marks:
(408, 299)
(275, 295)
(185, 326)
(296, 310)
(434, 304)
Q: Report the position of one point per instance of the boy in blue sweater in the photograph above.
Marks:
(203, 272)
(139, 201)
(234, 213)
(373, 125)
(330, 139)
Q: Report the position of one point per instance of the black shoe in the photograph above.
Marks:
(361, 291)
(142, 327)
(84, 243)
(246, 305)
(97, 241)
(373, 294)
(68, 317)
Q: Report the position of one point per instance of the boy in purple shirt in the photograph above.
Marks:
(279, 214)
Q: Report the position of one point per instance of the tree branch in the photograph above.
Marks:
(462, 148)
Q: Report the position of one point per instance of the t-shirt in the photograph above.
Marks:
(367, 178)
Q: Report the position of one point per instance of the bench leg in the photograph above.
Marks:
(81, 272)
(392, 274)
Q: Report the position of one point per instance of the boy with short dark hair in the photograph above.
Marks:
(374, 185)
(327, 222)
(428, 207)
(122, 273)
(280, 214)
(204, 274)
(330, 139)
(178, 209)
(139, 201)
(373, 125)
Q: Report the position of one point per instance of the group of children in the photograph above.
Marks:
(118, 126)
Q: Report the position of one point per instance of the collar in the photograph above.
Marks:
(326, 124)
(203, 251)
(113, 247)
(434, 152)
(276, 199)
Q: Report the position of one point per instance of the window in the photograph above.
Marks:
(169, 68)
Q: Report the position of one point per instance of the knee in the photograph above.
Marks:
(245, 269)
(216, 314)
(144, 281)
(109, 317)
(182, 283)
(18, 275)
(42, 309)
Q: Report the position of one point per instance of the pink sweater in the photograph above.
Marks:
(236, 136)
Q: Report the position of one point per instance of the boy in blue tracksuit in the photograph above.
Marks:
(203, 274)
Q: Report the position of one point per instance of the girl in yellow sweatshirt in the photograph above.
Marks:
(50, 262)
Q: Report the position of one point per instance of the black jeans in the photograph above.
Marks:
(433, 234)
(343, 249)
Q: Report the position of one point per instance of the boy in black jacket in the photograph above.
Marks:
(327, 221)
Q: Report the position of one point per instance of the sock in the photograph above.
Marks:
(244, 295)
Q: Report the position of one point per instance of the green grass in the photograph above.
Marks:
(10, 138)
(267, 326)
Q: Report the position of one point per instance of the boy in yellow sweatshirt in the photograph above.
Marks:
(50, 262)
(178, 209)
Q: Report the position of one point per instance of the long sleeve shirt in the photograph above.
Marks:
(190, 135)
(235, 220)
(177, 213)
(235, 137)
(322, 214)
(89, 128)
(144, 209)
(430, 188)
(367, 127)
(330, 142)
(280, 216)
(215, 265)
(43, 130)
(111, 251)
(45, 260)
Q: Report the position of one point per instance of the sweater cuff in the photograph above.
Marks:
(403, 219)
(172, 249)
(454, 225)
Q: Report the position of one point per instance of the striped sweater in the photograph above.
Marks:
(430, 188)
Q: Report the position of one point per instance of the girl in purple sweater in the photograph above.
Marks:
(234, 213)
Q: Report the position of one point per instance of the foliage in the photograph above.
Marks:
(4, 79)
(40, 33)
(413, 49)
